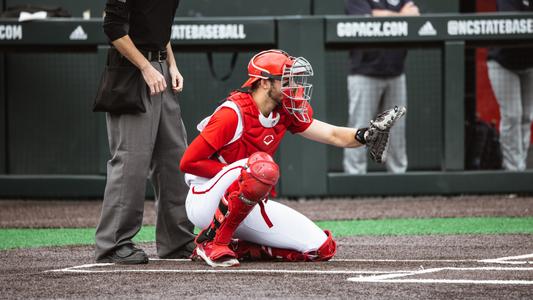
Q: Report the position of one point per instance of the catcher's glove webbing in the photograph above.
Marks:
(377, 135)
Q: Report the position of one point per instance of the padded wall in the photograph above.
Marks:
(51, 128)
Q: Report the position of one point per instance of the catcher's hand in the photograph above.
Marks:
(377, 135)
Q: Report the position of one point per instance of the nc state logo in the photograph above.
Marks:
(268, 139)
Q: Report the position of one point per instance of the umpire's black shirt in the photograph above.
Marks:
(376, 62)
(513, 58)
(149, 21)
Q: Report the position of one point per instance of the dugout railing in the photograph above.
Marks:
(304, 165)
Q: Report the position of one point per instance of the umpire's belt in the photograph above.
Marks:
(159, 56)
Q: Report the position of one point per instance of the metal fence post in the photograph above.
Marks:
(454, 115)
(304, 163)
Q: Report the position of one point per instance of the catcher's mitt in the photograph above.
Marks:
(377, 135)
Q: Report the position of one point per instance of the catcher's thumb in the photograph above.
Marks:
(369, 134)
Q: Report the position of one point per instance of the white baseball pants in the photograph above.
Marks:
(291, 229)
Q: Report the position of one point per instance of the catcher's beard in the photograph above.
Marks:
(275, 94)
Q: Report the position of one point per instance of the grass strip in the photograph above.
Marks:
(30, 238)
(433, 226)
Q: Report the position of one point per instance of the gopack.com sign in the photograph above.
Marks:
(372, 29)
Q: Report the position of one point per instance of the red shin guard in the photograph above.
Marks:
(237, 211)
(253, 185)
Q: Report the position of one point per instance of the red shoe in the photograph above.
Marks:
(247, 251)
(194, 256)
(215, 255)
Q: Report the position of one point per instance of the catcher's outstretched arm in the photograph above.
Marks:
(326, 133)
(375, 137)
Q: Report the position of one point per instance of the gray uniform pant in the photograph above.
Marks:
(145, 145)
(369, 96)
(514, 93)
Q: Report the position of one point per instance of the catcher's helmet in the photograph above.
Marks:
(293, 73)
(267, 64)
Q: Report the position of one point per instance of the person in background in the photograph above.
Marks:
(376, 81)
(511, 76)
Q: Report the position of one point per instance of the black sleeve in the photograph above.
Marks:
(116, 17)
(509, 5)
(357, 7)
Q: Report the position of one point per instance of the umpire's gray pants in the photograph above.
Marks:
(369, 96)
(145, 145)
(514, 93)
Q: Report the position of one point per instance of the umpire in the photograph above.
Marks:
(147, 141)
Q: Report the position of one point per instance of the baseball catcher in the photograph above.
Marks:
(231, 173)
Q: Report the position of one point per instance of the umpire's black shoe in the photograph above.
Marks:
(125, 254)
(183, 252)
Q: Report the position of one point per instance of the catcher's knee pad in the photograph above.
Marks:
(261, 174)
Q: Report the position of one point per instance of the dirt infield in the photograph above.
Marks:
(409, 267)
(24, 273)
(43, 214)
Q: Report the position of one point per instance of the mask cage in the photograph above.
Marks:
(296, 88)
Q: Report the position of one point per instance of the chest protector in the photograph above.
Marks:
(259, 133)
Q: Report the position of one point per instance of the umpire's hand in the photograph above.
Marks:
(155, 80)
(176, 78)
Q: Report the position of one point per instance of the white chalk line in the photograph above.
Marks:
(85, 266)
(354, 260)
(393, 276)
(448, 281)
(226, 271)
(511, 260)
(495, 261)
(406, 260)
(171, 259)
(79, 269)
(503, 260)
(516, 257)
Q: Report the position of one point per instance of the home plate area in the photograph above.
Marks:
(513, 270)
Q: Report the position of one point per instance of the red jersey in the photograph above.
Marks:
(237, 129)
